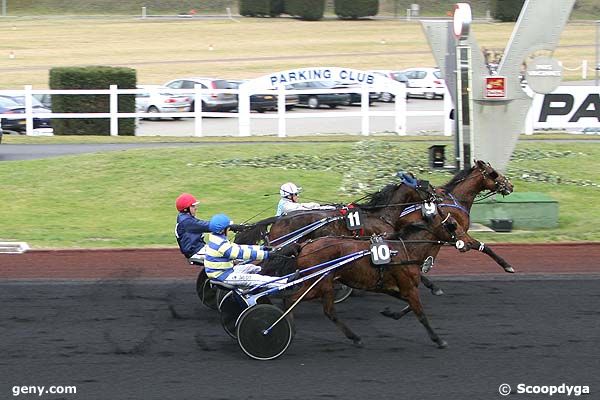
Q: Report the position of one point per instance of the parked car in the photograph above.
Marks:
(16, 105)
(426, 82)
(210, 102)
(314, 100)
(156, 99)
(356, 97)
(262, 102)
(398, 76)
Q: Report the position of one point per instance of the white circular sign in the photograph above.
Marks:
(544, 74)
(462, 20)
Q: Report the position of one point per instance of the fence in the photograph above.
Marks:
(400, 112)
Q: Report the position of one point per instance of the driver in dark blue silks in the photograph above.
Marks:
(190, 230)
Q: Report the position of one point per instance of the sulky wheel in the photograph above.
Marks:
(253, 337)
(206, 292)
(341, 292)
(231, 306)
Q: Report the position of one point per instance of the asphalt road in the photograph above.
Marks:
(155, 341)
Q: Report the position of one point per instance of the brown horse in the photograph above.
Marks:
(399, 278)
(458, 195)
(380, 214)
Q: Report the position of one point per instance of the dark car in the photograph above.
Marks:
(314, 100)
(262, 102)
(258, 102)
(16, 105)
(356, 97)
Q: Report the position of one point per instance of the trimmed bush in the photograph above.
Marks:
(354, 9)
(310, 10)
(507, 10)
(254, 8)
(98, 77)
(260, 8)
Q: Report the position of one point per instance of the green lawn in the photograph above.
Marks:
(126, 198)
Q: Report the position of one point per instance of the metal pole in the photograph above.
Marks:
(597, 63)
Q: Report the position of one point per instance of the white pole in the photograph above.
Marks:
(197, 110)
(244, 110)
(281, 128)
(4, 8)
(364, 109)
(584, 67)
(448, 123)
(114, 111)
(400, 108)
(144, 13)
(28, 110)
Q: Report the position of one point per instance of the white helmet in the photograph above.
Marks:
(288, 189)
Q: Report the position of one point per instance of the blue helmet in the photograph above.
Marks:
(218, 223)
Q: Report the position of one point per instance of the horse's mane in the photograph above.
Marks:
(252, 234)
(382, 197)
(449, 187)
(412, 229)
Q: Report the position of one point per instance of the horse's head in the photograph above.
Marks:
(493, 180)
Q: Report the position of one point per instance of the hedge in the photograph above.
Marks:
(261, 8)
(96, 77)
(310, 10)
(354, 9)
(507, 10)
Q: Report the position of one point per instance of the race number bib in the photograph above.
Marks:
(354, 220)
(380, 253)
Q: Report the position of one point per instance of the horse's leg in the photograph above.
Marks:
(328, 298)
(501, 261)
(435, 290)
(415, 304)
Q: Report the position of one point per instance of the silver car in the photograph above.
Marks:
(156, 99)
(210, 102)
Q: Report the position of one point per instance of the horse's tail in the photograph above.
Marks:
(253, 234)
(283, 261)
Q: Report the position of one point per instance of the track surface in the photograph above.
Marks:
(128, 325)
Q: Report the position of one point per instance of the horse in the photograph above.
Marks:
(379, 215)
(459, 195)
(399, 278)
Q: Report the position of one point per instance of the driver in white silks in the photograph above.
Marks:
(220, 253)
(289, 193)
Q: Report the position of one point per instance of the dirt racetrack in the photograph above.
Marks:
(127, 324)
(574, 258)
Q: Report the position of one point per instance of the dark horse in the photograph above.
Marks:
(458, 195)
(380, 215)
(399, 278)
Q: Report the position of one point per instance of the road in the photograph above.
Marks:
(337, 124)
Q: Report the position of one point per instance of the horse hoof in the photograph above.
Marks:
(442, 344)
(437, 292)
(510, 270)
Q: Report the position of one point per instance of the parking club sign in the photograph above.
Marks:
(495, 87)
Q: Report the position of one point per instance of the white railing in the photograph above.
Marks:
(399, 113)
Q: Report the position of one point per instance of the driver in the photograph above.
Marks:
(289, 193)
(220, 253)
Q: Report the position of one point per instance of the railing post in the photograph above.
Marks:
(28, 110)
(114, 111)
(400, 108)
(364, 109)
(584, 67)
(244, 110)
(197, 110)
(448, 123)
(281, 127)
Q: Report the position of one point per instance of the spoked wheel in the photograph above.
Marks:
(341, 292)
(206, 292)
(256, 339)
(231, 306)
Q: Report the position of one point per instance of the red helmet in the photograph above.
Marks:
(184, 201)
